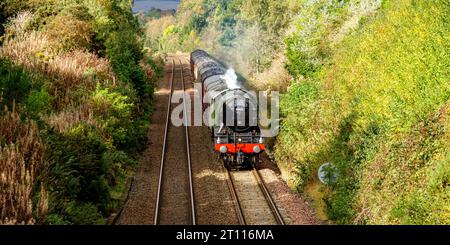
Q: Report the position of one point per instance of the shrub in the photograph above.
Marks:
(39, 101)
(76, 171)
(124, 53)
(114, 111)
(68, 33)
(275, 78)
(85, 169)
(84, 214)
(15, 84)
(55, 219)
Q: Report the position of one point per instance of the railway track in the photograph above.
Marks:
(175, 202)
(173, 188)
(253, 203)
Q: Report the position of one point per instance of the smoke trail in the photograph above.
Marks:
(230, 78)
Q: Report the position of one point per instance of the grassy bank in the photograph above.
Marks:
(376, 105)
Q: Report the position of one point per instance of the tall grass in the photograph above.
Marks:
(70, 70)
(21, 161)
(66, 119)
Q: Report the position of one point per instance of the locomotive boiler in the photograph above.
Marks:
(231, 112)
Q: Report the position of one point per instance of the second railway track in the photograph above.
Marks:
(175, 195)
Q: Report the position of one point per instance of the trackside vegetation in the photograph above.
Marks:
(376, 107)
(76, 98)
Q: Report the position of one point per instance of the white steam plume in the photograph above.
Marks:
(230, 78)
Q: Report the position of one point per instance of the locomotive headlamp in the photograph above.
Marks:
(223, 149)
(256, 149)
(261, 140)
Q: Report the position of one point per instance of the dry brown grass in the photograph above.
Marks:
(21, 160)
(34, 50)
(69, 70)
(276, 78)
(76, 69)
(69, 117)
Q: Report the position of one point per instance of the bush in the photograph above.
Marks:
(66, 32)
(15, 84)
(124, 53)
(84, 214)
(39, 101)
(84, 169)
(55, 219)
(114, 111)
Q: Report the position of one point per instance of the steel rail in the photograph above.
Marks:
(161, 170)
(191, 186)
(234, 197)
(276, 213)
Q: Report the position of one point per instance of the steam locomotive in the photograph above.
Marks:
(231, 112)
